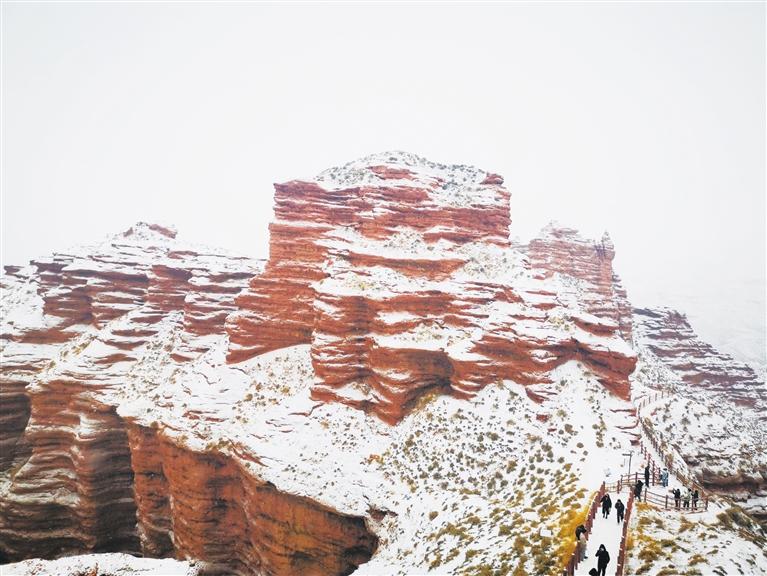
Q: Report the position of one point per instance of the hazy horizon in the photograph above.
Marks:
(647, 121)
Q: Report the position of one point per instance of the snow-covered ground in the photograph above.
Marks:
(709, 543)
(459, 184)
(112, 564)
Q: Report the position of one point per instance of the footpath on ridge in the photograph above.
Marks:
(608, 531)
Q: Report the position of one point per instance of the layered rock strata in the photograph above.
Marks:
(206, 505)
(669, 336)
(86, 331)
(561, 250)
(169, 400)
(399, 273)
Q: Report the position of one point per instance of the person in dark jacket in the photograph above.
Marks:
(620, 509)
(603, 559)
(638, 490)
(607, 503)
(647, 475)
(695, 496)
(677, 497)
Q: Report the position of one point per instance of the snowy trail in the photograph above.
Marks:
(674, 480)
(605, 531)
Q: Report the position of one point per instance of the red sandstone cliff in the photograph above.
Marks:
(78, 329)
(399, 273)
(669, 336)
(560, 250)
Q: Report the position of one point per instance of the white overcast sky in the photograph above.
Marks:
(646, 120)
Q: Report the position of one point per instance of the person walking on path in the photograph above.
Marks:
(647, 475)
(580, 545)
(695, 496)
(664, 478)
(603, 559)
(619, 510)
(686, 499)
(677, 497)
(607, 503)
(638, 490)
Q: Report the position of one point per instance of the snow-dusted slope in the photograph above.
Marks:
(716, 418)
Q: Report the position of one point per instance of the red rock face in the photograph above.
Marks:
(669, 336)
(84, 480)
(135, 271)
(277, 310)
(122, 487)
(266, 531)
(74, 493)
(400, 275)
(563, 251)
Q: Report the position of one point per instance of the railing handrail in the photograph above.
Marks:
(572, 564)
(619, 565)
(668, 460)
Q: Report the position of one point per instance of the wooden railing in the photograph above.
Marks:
(575, 559)
(624, 536)
(669, 462)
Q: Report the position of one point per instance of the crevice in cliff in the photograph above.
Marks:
(14, 415)
(95, 482)
(245, 525)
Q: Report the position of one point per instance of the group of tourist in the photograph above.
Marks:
(686, 498)
(681, 500)
(607, 504)
(603, 557)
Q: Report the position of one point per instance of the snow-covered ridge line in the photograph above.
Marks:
(448, 182)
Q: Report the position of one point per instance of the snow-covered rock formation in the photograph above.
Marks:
(399, 274)
(397, 389)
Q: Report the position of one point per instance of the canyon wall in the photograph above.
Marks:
(561, 250)
(668, 334)
(85, 331)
